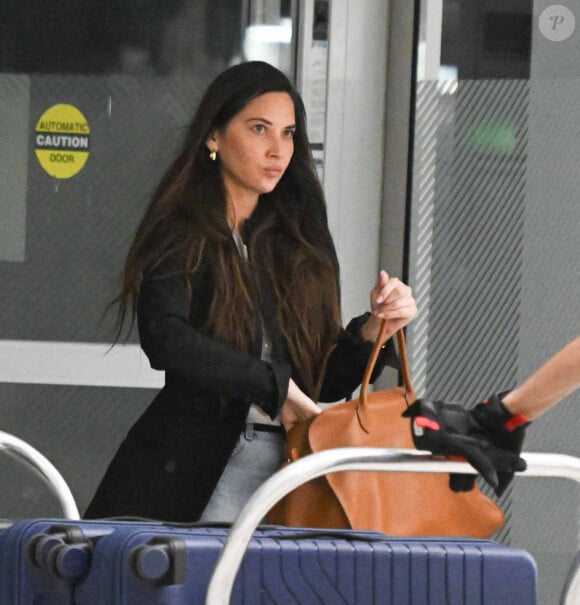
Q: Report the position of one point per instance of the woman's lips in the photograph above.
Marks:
(273, 172)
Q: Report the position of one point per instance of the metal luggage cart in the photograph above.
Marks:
(361, 459)
(43, 468)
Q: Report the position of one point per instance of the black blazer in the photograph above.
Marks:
(172, 458)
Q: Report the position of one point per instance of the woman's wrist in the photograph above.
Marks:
(370, 329)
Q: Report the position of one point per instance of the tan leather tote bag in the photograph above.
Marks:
(396, 503)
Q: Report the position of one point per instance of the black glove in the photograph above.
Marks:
(494, 422)
(447, 429)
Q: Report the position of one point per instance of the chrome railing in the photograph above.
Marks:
(24, 452)
(359, 459)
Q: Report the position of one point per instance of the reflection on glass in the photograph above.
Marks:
(270, 43)
(488, 39)
(495, 210)
(134, 69)
(142, 37)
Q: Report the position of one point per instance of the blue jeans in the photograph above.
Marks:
(256, 457)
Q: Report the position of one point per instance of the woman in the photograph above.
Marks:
(234, 280)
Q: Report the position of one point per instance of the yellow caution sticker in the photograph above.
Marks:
(61, 141)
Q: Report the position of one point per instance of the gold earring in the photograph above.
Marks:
(213, 155)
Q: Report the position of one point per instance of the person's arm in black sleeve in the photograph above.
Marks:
(392, 305)
(172, 344)
(348, 361)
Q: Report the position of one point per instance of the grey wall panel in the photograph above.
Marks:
(550, 307)
(14, 115)
(354, 161)
(77, 428)
(79, 229)
(494, 263)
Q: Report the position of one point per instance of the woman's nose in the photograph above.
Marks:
(275, 148)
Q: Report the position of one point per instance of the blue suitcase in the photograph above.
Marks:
(41, 560)
(172, 565)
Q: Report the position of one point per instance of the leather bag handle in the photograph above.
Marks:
(403, 359)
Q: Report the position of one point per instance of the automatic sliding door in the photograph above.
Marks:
(95, 96)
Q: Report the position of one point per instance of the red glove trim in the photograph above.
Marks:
(427, 423)
(515, 421)
(456, 458)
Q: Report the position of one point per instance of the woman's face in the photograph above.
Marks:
(256, 146)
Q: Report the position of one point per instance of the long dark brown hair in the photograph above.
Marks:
(189, 209)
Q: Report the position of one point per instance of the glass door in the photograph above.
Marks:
(494, 245)
(95, 97)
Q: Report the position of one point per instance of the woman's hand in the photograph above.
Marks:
(297, 407)
(392, 300)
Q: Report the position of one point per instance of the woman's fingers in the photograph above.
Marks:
(391, 300)
(398, 310)
(393, 289)
(293, 412)
(395, 301)
(298, 406)
(305, 411)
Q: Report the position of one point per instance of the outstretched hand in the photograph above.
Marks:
(447, 429)
(499, 427)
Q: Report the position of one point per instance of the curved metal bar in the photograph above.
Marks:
(348, 459)
(24, 452)
(571, 592)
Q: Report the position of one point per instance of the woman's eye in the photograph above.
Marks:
(290, 134)
(259, 128)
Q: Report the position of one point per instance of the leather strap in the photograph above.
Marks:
(403, 360)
